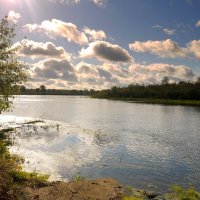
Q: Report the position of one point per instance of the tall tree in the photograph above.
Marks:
(12, 73)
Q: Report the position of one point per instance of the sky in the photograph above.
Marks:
(97, 44)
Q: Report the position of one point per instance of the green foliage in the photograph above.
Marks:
(21, 176)
(165, 80)
(166, 91)
(12, 73)
(180, 193)
(78, 178)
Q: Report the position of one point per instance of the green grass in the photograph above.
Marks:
(21, 176)
(78, 178)
(180, 193)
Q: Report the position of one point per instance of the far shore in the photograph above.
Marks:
(157, 101)
(180, 102)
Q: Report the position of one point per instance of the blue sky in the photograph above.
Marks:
(98, 43)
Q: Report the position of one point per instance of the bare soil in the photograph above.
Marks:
(99, 189)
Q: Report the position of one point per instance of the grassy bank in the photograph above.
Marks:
(156, 101)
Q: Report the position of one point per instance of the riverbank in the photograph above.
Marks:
(17, 184)
(157, 101)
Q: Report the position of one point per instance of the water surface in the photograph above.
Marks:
(138, 144)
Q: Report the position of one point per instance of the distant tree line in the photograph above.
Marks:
(165, 90)
(42, 90)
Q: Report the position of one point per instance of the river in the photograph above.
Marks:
(143, 145)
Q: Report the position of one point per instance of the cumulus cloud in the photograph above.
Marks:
(57, 73)
(169, 31)
(13, 16)
(59, 28)
(34, 50)
(94, 35)
(105, 51)
(194, 48)
(154, 73)
(87, 70)
(198, 23)
(55, 69)
(116, 70)
(165, 48)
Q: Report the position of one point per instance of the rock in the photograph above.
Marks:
(150, 194)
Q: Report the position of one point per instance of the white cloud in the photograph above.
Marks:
(55, 69)
(154, 73)
(165, 48)
(105, 51)
(13, 16)
(59, 28)
(58, 73)
(198, 23)
(99, 2)
(94, 35)
(194, 48)
(40, 50)
(157, 26)
(169, 31)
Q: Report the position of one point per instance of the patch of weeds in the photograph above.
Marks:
(78, 178)
(180, 193)
(21, 176)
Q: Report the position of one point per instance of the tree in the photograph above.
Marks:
(42, 89)
(165, 80)
(12, 72)
(198, 80)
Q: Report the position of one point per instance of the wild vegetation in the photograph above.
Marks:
(178, 93)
